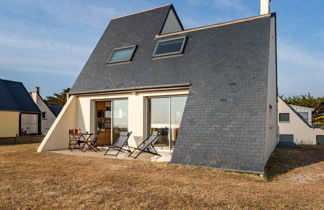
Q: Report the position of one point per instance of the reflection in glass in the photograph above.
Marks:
(165, 115)
(177, 108)
(119, 117)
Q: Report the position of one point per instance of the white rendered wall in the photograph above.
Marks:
(58, 136)
(136, 111)
(50, 117)
(303, 134)
(79, 112)
(271, 134)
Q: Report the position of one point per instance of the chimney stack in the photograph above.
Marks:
(37, 90)
(264, 7)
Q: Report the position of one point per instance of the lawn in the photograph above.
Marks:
(294, 180)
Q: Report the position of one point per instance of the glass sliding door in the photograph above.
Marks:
(159, 120)
(164, 115)
(177, 108)
(119, 118)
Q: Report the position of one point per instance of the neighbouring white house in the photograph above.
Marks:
(48, 112)
(295, 125)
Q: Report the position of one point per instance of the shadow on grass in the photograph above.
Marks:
(283, 160)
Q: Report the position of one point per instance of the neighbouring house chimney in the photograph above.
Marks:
(37, 90)
(264, 7)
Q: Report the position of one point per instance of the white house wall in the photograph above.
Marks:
(50, 117)
(58, 136)
(303, 134)
(136, 111)
(271, 133)
(79, 112)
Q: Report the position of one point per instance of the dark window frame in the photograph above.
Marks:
(44, 116)
(284, 120)
(122, 48)
(171, 53)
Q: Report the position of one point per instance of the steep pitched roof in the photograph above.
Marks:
(14, 97)
(219, 48)
(55, 109)
(226, 68)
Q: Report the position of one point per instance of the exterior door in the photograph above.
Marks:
(111, 119)
(164, 115)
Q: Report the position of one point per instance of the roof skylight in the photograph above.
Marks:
(122, 54)
(169, 47)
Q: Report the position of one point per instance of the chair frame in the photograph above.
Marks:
(146, 148)
(117, 148)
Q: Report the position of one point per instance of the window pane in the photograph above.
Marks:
(120, 117)
(173, 46)
(284, 117)
(304, 115)
(177, 107)
(121, 55)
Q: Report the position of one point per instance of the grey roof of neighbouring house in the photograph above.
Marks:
(55, 109)
(226, 68)
(14, 97)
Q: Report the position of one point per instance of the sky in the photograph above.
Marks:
(47, 43)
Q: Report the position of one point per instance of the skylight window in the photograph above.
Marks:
(169, 47)
(122, 54)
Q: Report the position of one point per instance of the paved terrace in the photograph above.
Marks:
(165, 156)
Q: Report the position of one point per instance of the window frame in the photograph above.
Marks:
(171, 53)
(284, 120)
(44, 116)
(122, 48)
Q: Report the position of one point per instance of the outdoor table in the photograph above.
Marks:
(85, 138)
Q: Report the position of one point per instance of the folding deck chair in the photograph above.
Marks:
(120, 143)
(147, 145)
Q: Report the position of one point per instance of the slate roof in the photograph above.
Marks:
(55, 109)
(226, 68)
(14, 97)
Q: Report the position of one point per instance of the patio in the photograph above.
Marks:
(165, 156)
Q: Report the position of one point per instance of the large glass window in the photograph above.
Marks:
(169, 47)
(165, 115)
(122, 54)
(119, 117)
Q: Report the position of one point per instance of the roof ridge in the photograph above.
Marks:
(10, 81)
(135, 13)
(214, 25)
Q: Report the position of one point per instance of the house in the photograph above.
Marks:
(49, 113)
(19, 115)
(295, 125)
(210, 91)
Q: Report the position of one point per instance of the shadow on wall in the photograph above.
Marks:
(283, 160)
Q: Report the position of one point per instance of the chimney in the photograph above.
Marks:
(37, 90)
(264, 7)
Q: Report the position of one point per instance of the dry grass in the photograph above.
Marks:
(51, 181)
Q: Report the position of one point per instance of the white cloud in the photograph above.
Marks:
(299, 56)
(238, 5)
(16, 41)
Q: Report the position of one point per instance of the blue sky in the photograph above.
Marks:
(46, 43)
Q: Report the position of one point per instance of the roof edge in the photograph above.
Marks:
(299, 116)
(153, 87)
(135, 13)
(215, 25)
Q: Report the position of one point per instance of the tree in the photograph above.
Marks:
(58, 99)
(316, 103)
